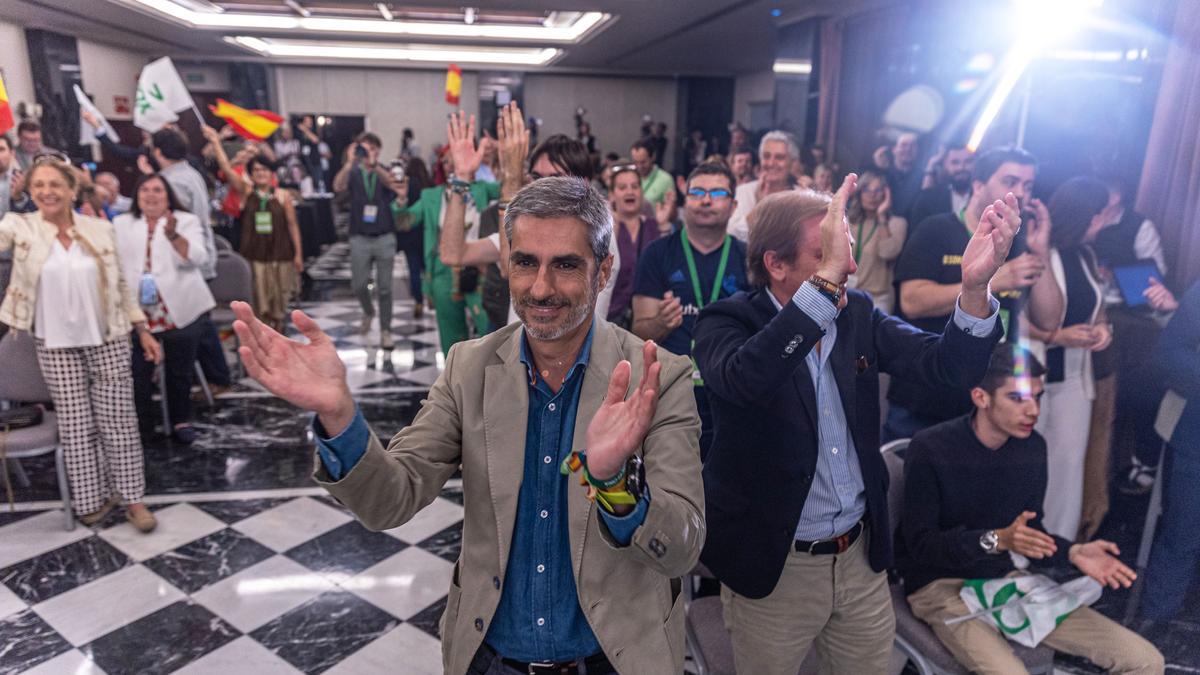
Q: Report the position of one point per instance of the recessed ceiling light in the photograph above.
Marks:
(793, 66)
(584, 23)
(372, 51)
(384, 11)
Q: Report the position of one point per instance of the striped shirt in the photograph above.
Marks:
(837, 498)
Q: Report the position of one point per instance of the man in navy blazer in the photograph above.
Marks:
(795, 487)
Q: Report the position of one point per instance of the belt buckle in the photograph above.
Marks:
(533, 668)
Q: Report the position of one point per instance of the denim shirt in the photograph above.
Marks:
(837, 497)
(539, 617)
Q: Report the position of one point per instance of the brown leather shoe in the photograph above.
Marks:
(141, 517)
(98, 515)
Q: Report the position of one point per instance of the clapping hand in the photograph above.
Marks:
(1030, 542)
(989, 246)
(465, 156)
(1098, 559)
(309, 375)
(621, 424)
(1037, 237)
(837, 258)
(512, 144)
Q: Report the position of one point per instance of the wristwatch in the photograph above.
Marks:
(990, 542)
(827, 288)
(635, 476)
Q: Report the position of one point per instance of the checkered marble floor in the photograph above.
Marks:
(256, 585)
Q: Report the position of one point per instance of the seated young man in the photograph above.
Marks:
(972, 498)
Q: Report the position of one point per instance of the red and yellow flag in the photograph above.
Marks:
(453, 84)
(255, 125)
(6, 114)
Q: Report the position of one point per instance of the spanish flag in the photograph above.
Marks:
(255, 125)
(453, 84)
(6, 116)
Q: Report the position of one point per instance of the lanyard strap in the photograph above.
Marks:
(370, 180)
(263, 201)
(859, 242)
(962, 218)
(691, 264)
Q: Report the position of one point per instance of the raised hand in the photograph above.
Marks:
(885, 207)
(512, 143)
(1098, 559)
(665, 209)
(837, 258)
(90, 118)
(309, 375)
(1037, 238)
(989, 246)
(210, 134)
(621, 424)
(1028, 541)
(460, 134)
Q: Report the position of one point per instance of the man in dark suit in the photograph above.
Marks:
(795, 486)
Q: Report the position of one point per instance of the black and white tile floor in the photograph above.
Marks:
(254, 570)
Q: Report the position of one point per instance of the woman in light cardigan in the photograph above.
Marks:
(1075, 214)
(162, 251)
(878, 238)
(68, 288)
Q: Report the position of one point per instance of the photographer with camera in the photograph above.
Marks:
(371, 191)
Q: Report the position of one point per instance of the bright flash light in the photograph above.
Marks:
(1042, 24)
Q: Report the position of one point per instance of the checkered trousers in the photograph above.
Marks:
(92, 388)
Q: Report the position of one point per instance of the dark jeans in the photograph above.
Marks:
(412, 243)
(901, 423)
(1177, 545)
(211, 356)
(179, 353)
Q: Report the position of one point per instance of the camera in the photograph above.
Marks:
(360, 151)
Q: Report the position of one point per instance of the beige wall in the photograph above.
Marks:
(751, 88)
(14, 61)
(614, 105)
(107, 72)
(390, 99)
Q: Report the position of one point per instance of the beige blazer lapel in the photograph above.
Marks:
(605, 356)
(505, 412)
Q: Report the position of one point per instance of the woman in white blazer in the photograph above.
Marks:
(161, 249)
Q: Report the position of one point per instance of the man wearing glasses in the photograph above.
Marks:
(680, 274)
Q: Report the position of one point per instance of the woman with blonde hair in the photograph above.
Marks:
(67, 288)
(878, 238)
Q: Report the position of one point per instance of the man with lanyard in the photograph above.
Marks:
(372, 234)
(929, 277)
(679, 275)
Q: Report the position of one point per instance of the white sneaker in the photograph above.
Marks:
(365, 327)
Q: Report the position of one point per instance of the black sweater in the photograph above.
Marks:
(955, 489)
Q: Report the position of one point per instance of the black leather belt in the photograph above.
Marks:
(596, 664)
(838, 544)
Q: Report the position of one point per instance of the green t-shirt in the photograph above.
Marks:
(656, 185)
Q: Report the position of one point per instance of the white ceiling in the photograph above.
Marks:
(648, 37)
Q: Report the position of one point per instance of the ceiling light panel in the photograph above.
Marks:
(556, 32)
(324, 50)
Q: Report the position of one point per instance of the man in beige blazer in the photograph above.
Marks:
(549, 580)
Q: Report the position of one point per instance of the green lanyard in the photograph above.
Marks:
(962, 218)
(263, 201)
(370, 180)
(859, 242)
(691, 263)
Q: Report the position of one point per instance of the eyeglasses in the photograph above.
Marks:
(715, 194)
(618, 168)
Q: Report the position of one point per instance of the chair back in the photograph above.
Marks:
(22, 379)
(234, 280)
(221, 243)
(895, 468)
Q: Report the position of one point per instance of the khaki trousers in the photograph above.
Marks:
(836, 601)
(979, 647)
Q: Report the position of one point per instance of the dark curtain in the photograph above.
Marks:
(1169, 193)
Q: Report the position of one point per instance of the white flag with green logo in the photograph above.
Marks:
(1025, 609)
(160, 94)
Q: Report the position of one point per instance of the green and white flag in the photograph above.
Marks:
(1025, 609)
(160, 94)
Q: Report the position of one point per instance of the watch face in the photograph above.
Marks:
(635, 476)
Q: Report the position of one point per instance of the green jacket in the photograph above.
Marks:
(427, 212)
